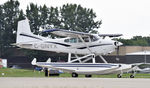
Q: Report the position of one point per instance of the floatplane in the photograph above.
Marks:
(77, 43)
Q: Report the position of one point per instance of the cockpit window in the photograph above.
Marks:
(94, 38)
(86, 39)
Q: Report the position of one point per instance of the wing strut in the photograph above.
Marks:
(103, 59)
(82, 59)
(93, 59)
(77, 57)
(69, 57)
(85, 43)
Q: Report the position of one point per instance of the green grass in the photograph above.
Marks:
(8, 72)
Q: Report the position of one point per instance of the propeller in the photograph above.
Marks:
(117, 53)
(118, 44)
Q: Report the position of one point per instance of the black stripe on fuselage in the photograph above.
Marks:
(94, 46)
(59, 44)
(30, 36)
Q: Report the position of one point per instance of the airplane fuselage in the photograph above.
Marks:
(75, 42)
(99, 47)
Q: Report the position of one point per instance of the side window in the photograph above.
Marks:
(66, 40)
(86, 39)
(79, 40)
(73, 40)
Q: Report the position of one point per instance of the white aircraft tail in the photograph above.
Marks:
(49, 60)
(24, 33)
(34, 61)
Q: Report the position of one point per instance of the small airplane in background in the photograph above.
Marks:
(88, 69)
(77, 43)
(142, 67)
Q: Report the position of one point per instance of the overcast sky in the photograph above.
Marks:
(128, 17)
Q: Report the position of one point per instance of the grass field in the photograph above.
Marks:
(8, 72)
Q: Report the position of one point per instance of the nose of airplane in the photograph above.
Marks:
(116, 43)
(120, 44)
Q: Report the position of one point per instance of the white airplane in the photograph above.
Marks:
(77, 43)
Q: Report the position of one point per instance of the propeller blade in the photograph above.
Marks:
(117, 53)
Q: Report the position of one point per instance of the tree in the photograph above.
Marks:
(147, 39)
(32, 13)
(76, 18)
(9, 18)
(136, 41)
(41, 16)
(1, 20)
(139, 40)
(70, 17)
(54, 17)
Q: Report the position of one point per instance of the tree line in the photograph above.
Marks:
(136, 41)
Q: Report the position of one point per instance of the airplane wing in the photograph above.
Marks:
(67, 33)
(141, 65)
(138, 64)
(110, 35)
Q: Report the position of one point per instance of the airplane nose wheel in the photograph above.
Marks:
(120, 75)
(131, 76)
(74, 75)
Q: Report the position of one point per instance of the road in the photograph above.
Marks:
(32, 82)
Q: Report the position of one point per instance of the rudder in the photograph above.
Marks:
(24, 32)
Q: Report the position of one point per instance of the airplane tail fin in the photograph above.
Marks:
(34, 61)
(24, 33)
(49, 60)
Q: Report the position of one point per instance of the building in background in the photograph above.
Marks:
(130, 54)
(124, 50)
